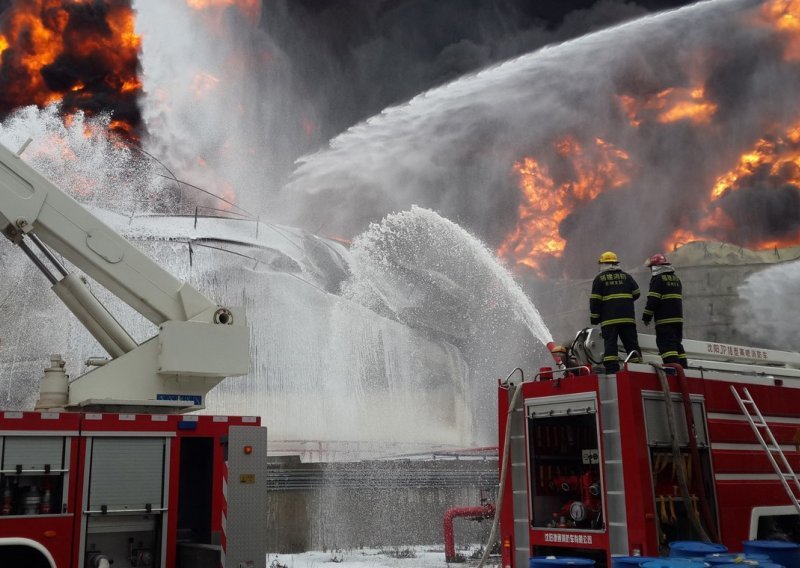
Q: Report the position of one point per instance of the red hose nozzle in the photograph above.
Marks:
(557, 351)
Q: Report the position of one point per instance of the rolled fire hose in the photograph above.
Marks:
(677, 458)
(503, 470)
(662, 509)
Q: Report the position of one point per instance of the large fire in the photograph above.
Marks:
(784, 15)
(84, 55)
(668, 106)
(548, 198)
(771, 164)
(81, 54)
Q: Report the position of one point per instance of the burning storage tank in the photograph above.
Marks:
(672, 128)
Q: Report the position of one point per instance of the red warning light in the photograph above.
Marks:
(248, 450)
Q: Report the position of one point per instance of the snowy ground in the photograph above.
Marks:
(400, 557)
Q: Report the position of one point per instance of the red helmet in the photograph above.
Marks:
(657, 260)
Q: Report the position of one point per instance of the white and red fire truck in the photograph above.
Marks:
(602, 465)
(109, 470)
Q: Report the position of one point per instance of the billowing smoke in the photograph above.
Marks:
(234, 95)
(764, 214)
(217, 98)
(680, 96)
(235, 90)
(350, 59)
(83, 54)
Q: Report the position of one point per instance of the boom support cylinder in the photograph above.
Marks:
(94, 316)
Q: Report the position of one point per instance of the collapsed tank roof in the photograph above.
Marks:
(705, 253)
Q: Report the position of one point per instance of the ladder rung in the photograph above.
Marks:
(772, 448)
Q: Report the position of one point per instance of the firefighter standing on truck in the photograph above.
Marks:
(665, 305)
(611, 306)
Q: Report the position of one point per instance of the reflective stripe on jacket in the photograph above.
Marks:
(612, 297)
(665, 299)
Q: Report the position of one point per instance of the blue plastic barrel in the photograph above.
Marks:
(780, 552)
(734, 558)
(630, 561)
(677, 562)
(558, 561)
(694, 549)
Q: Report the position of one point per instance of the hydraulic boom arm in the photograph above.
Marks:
(198, 344)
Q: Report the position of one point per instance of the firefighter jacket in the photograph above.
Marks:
(665, 299)
(613, 294)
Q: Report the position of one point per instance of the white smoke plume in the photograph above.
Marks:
(770, 302)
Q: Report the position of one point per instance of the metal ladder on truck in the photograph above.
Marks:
(771, 447)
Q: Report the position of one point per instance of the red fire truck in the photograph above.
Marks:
(108, 469)
(603, 465)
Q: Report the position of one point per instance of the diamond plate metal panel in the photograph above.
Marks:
(246, 527)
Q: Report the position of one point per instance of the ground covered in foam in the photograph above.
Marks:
(395, 557)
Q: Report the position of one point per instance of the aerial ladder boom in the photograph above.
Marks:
(198, 343)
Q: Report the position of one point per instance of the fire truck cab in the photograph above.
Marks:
(606, 465)
(108, 470)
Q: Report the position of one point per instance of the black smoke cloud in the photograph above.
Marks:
(350, 59)
(453, 148)
(763, 214)
(89, 71)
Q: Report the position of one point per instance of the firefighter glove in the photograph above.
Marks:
(645, 320)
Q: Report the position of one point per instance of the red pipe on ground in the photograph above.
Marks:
(473, 513)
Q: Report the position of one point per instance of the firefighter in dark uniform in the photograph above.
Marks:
(665, 305)
(611, 306)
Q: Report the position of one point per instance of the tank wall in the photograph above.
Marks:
(710, 298)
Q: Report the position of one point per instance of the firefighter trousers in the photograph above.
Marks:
(630, 341)
(668, 340)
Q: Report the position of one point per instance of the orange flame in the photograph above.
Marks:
(784, 15)
(668, 106)
(547, 202)
(773, 162)
(43, 44)
(203, 83)
(37, 36)
(250, 8)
